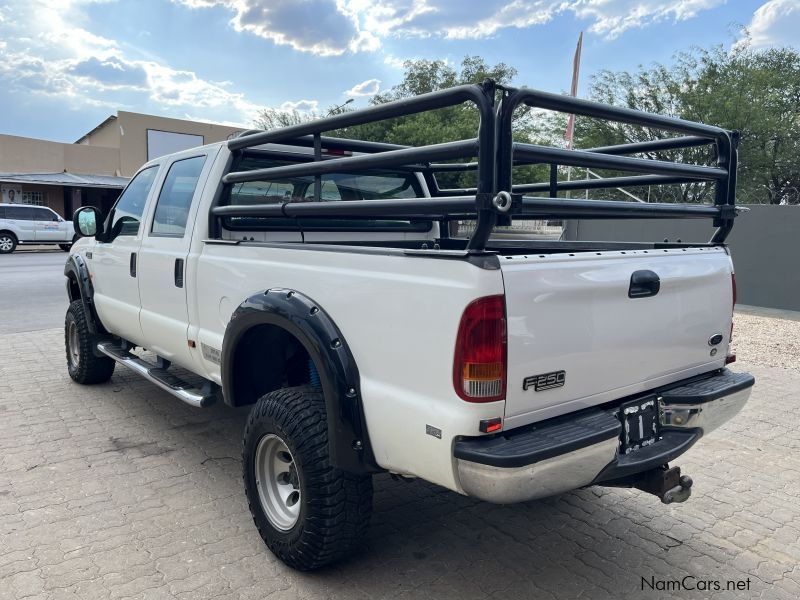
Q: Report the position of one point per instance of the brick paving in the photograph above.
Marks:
(121, 491)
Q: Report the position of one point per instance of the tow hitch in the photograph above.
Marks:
(666, 483)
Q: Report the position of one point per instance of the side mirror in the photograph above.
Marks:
(87, 222)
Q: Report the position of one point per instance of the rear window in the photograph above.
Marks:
(336, 187)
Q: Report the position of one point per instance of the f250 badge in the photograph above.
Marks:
(545, 381)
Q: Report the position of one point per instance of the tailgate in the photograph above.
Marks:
(572, 313)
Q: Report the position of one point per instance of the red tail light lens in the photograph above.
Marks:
(479, 369)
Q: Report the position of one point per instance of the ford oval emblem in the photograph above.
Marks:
(715, 339)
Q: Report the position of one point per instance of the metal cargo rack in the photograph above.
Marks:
(496, 199)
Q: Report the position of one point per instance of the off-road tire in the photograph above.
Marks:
(9, 243)
(335, 506)
(82, 363)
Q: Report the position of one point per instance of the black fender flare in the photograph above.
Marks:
(76, 268)
(348, 439)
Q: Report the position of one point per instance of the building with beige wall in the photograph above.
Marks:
(94, 169)
(140, 138)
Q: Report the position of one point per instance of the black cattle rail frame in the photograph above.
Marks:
(496, 200)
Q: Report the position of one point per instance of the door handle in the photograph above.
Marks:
(179, 272)
(133, 264)
(643, 284)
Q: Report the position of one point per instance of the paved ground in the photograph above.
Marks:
(120, 491)
(32, 293)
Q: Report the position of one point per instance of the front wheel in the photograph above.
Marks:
(7, 243)
(83, 364)
(308, 513)
(68, 247)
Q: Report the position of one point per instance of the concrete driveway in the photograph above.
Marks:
(120, 491)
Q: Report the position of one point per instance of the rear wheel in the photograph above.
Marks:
(309, 513)
(8, 242)
(82, 363)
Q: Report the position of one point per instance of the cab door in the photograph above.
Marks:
(49, 226)
(164, 252)
(114, 263)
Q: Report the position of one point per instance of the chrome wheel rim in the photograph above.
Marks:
(278, 482)
(6, 243)
(73, 345)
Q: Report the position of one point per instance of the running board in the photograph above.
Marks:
(161, 377)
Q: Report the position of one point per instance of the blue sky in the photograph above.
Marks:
(65, 65)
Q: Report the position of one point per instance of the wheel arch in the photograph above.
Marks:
(306, 323)
(79, 287)
(11, 233)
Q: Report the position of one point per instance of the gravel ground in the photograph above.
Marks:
(766, 341)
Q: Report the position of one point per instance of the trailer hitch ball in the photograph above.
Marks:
(679, 493)
(666, 483)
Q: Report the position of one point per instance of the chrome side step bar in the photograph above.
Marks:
(161, 377)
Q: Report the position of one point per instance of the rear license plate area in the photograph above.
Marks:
(639, 420)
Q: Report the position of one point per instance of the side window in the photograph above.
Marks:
(42, 214)
(176, 195)
(336, 187)
(262, 192)
(329, 191)
(127, 212)
(19, 213)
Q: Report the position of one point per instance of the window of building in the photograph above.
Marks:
(176, 195)
(35, 198)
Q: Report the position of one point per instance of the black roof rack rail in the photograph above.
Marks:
(492, 154)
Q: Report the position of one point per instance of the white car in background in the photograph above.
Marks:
(26, 224)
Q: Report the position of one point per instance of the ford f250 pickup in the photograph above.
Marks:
(322, 280)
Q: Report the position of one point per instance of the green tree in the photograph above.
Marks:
(443, 125)
(755, 91)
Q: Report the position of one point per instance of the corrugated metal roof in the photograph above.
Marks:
(67, 179)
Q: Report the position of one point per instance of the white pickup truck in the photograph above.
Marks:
(320, 280)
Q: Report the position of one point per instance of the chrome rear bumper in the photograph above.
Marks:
(496, 469)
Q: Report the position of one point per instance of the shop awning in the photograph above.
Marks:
(66, 179)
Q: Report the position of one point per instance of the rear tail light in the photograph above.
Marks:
(479, 369)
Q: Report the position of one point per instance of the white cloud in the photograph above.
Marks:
(394, 61)
(610, 19)
(370, 87)
(47, 52)
(320, 27)
(775, 23)
(334, 27)
(305, 106)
